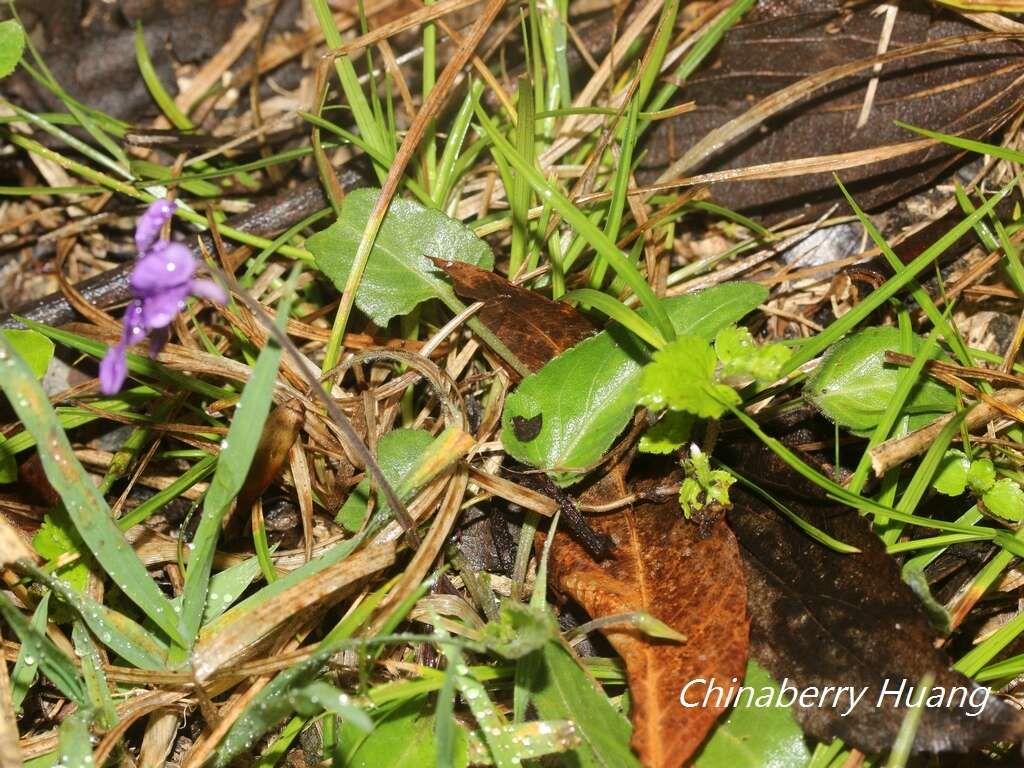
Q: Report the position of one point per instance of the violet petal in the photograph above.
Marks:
(148, 227)
(160, 307)
(166, 266)
(133, 329)
(113, 370)
(209, 290)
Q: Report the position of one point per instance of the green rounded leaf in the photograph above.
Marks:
(34, 348)
(12, 45)
(853, 384)
(1005, 499)
(951, 477)
(981, 475)
(399, 274)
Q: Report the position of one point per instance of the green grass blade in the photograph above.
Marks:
(236, 455)
(586, 228)
(24, 674)
(519, 194)
(851, 319)
(115, 630)
(619, 312)
(156, 88)
(85, 506)
(38, 648)
(138, 364)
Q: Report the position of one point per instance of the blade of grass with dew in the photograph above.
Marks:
(96, 686)
(618, 312)
(24, 674)
(577, 219)
(87, 509)
(497, 736)
(817, 344)
(444, 719)
(38, 648)
(236, 455)
(120, 634)
(271, 704)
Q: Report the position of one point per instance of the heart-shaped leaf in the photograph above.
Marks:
(399, 274)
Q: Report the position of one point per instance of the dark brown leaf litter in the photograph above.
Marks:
(820, 618)
(535, 328)
(90, 47)
(970, 89)
(686, 575)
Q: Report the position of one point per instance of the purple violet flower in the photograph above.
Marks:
(161, 281)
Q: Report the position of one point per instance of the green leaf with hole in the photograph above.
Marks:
(85, 505)
(853, 384)
(756, 736)
(399, 274)
(564, 417)
(12, 46)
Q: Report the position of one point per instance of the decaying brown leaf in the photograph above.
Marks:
(971, 88)
(278, 436)
(688, 576)
(536, 329)
(820, 618)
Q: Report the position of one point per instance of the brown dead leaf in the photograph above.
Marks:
(688, 576)
(536, 329)
(821, 618)
(970, 88)
(278, 436)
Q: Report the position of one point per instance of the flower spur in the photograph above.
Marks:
(162, 279)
